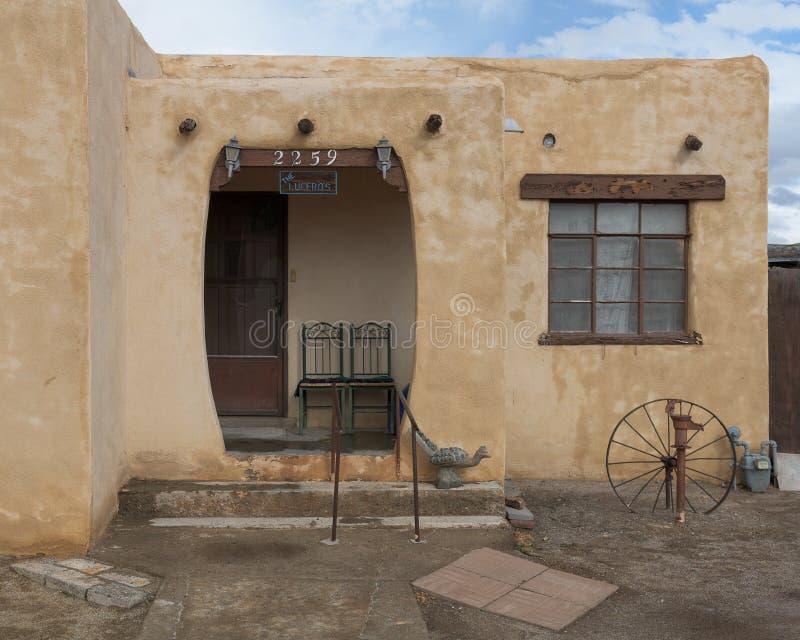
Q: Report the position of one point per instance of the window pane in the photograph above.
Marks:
(664, 218)
(663, 285)
(663, 317)
(568, 252)
(615, 285)
(618, 217)
(568, 217)
(663, 253)
(570, 317)
(617, 252)
(616, 318)
(571, 285)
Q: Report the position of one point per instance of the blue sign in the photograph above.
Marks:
(311, 183)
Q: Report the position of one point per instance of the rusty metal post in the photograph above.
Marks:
(336, 444)
(415, 479)
(414, 471)
(681, 424)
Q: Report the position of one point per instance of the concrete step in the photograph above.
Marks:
(160, 499)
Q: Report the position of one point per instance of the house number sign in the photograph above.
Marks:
(304, 158)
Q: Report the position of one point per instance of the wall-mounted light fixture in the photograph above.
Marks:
(187, 126)
(384, 150)
(232, 151)
(693, 143)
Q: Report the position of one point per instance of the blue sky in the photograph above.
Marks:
(515, 28)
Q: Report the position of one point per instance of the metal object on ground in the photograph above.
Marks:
(644, 450)
(758, 469)
(682, 424)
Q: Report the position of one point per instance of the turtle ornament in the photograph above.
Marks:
(448, 460)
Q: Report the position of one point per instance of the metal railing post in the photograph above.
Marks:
(414, 471)
(336, 453)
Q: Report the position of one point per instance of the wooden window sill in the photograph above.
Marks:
(556, 339)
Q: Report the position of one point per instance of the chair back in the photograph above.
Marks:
(371, 351)
(323, 345)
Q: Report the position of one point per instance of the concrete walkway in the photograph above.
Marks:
(286, 584)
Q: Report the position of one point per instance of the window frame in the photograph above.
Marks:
(592, 337)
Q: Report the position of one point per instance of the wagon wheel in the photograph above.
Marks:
(641, 462)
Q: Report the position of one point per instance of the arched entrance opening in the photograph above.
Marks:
(296, 238)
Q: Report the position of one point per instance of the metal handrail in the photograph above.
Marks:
(415, 474)
(336, 454)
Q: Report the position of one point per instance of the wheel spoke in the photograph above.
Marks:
(658, 495)
(642, 437)
(703, 473)
(688, 459)
(690, 504)
(640, 462)
(622, 444)
(703, 426)
(700, 486)
(644, 486)
(660, 439)
(709, 444)
(617, 486)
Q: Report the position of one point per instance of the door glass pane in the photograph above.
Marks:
(616, 318)
(569, 252)
(663, 253)
(569, 217)
(617, 252)
(663, 317)
(664, 218)
(565, 317)
(663, 285)
(618, 217)
(616, 285)
(571, 285)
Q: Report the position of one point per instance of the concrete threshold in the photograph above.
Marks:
(310, 522)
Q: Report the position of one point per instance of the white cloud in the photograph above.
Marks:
(753, 16)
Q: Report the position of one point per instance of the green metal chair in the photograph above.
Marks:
(370, 348)
(323, 345)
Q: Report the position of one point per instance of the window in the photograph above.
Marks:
(618, 268)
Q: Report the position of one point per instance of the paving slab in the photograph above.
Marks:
(788, 471)
(463, 586)
(499, 566)
(84, 565)
(127, 579)
(538, 609)
(568, 586)
(71, 581)
(112, 594)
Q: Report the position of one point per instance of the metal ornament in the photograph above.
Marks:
(671, 454)
(384, 150)
(232, 152)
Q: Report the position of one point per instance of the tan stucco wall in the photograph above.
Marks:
(45, 485)
(610, 116)
(114, 50)
(103, 365)
(455, 193)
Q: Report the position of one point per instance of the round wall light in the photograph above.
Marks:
(549, 141)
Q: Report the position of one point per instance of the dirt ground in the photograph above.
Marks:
(732, 574)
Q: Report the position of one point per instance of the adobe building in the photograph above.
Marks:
(508, 248)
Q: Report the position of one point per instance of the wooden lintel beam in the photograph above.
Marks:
(588, 186)
(288, 159)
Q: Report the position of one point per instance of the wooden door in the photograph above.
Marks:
(784, 358)
(245, 285)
